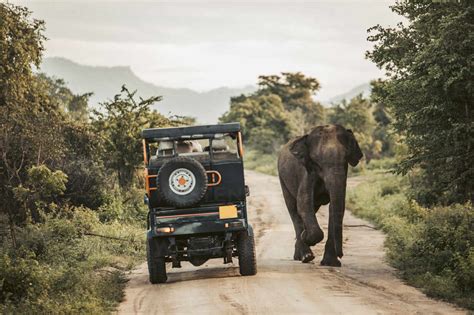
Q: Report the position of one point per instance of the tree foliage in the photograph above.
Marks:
(119, 125)
(357, 115)
(74, 105)
(21, 46)
(296, 92)
(383, 118)
(282, 108)
(41, 188)
(265, 123)
(25, 111)
(430, 90)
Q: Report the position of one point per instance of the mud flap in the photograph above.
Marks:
(158, 245)
(173, 249)
(228, 248)
(250, 230)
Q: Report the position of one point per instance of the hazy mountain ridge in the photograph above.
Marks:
(105, 82)
(364, 88)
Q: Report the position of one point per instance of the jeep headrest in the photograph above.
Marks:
(219, 145)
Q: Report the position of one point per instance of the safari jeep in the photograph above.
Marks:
(196, 194)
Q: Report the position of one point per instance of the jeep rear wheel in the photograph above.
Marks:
(247, 257)
(156, 265)
(181, 182)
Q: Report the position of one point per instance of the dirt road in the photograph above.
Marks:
(363, 285)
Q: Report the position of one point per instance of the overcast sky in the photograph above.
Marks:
(208, 44)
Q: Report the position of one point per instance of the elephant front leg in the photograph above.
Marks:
(312, 233)
(336, 185)
(330, 255)
(330, 258)
(302, 251)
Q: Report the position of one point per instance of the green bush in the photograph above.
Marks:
(381, 164)
(366, 200)
(360, 169)
(124, 205)
(432, 247)
(69, 263)
(440, 257)
(389, 189)
(87, 183)
(375, 166)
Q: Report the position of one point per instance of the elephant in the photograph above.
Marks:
(313, 172)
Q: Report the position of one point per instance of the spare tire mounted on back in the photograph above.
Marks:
(181, 182)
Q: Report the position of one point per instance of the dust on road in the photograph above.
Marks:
(364, 284)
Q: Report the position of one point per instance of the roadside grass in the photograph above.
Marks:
(74, 261)
(260, 162)
(431, 247)
(375, 166)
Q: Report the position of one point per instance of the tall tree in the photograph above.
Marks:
(265, 123)
(21, 47)
(296, 92)
(357, 116)
(282, 108)
(430, 91)
(75, 105)
(119, 125)
(25, 111)
(383, 119)
(36, 118)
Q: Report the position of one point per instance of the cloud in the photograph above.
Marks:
(207, 44)
(204, 66)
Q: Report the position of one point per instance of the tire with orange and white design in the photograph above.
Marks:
(181, 182)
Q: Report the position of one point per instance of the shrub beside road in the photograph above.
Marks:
(74, 260)
(431, 247)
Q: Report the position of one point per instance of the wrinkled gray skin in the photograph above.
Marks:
(313, 172)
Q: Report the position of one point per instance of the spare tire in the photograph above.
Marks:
(181, 182)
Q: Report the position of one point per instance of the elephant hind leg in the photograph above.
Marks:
(302, 251)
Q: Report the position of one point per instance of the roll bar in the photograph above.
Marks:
(191, 132)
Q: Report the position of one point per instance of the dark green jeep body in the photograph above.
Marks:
(196, 193)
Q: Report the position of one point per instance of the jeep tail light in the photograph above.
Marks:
(165, 230)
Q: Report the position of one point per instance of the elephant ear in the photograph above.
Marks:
(299, 148)
(354, 154)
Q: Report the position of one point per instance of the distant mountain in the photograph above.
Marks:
(105, 82)
(363, 88)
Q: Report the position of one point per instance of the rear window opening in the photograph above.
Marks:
(221, 147)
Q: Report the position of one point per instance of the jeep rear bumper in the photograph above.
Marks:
(200, 227)
(201, 220)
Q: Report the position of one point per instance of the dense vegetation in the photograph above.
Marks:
(71, 217)
(430, 91)
(432, 247)
(279, 110)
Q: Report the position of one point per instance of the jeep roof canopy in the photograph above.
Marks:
(192, 132)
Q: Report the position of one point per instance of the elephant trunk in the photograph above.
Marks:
(336, 185)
